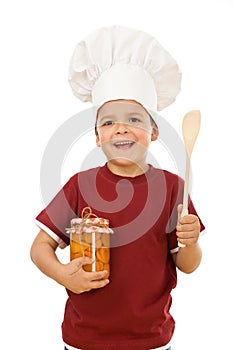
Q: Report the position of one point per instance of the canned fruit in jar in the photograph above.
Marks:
(103, 254)
(94, 250)
(90, 236)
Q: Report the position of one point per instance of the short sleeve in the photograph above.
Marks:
(58, 213)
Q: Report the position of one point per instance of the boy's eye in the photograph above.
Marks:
(134, 120)
(108, 122)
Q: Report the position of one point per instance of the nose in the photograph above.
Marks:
(121, 128)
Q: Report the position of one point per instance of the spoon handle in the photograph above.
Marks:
(185, 195)
(186, 187)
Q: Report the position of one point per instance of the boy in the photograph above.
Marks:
(130, 310)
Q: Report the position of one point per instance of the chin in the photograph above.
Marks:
(124, 162)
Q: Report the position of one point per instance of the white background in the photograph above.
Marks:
(37, 40)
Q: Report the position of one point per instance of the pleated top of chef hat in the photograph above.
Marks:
(122, 63)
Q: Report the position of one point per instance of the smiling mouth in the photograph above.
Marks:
(123, 145)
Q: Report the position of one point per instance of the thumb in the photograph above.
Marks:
(79, 262)
(179, 210)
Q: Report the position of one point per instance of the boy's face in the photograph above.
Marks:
(124, 132)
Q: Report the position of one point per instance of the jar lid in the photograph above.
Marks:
(93, 221)
(89, 223)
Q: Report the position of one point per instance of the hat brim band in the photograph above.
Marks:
(124, 81)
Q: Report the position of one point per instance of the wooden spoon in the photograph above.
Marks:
(190, 129)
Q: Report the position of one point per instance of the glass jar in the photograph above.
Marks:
(90, 236)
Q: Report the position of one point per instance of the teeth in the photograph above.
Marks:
(122, 143)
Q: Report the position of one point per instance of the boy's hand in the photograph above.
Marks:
(77, 280)
(188, 230)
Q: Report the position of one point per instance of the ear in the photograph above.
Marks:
(155, 133)
(97, 140)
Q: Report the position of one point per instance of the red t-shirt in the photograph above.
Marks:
(132, 311)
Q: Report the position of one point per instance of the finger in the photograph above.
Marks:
(83, 260)
(187, 238)
(189, 219)
(187, 228)
(187, 234)
(188, 242)
(93, 284)
(188, 223)
(179, 210)
(79, 262)
(184, 242)
(99, 284)
(95, 276)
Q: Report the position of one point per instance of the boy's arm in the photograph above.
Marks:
(71, 275)
(188, 230)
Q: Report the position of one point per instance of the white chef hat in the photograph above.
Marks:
(121, 63)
